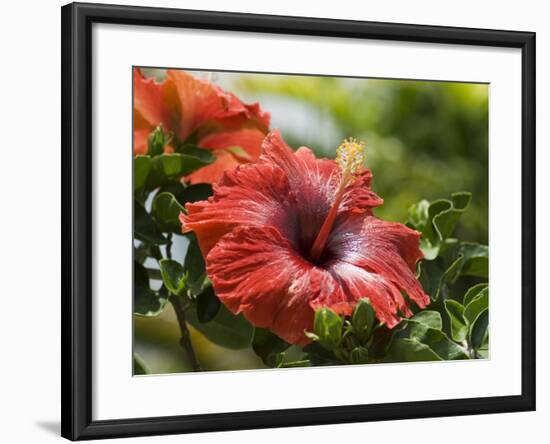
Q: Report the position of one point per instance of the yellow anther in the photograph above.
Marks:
(350, 156)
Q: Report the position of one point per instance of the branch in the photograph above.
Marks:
(185, 341)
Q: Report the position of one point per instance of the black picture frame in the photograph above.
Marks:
(76, 168)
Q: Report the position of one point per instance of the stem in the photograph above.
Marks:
(185, 340)
(155, 252)
(470, 351)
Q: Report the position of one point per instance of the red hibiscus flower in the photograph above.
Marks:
(185, 106)
(293, 233)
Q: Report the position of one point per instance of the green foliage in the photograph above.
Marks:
(437, 221)
(446, 258)
(293, 356)
(268, 346)
(208, 305)
(473, 292)
(160, 169)
(194, 266)
(160, 197)
(433, 338)
(169, 167)
(459, 325)
(173, 276)
(145, 228)
(147, 302)
(225, 328)
(156, 141)
(142, 166)
(343, 340)
(363, 320)
(411, 350)
(327, 329)
(189, 193)
(479, 330)
(165, 211)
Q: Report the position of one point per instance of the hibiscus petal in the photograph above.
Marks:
(248, 139)
(251, 194)
(212, 173)
(358, 283)
(231, 149)
(198, 100)
(391, 250)
(201, 101)
(152, 103)
(141, 143)
(257, 272)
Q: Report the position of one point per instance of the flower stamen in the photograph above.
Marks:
(350, 157)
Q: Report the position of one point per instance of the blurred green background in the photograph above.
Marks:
(425, 140)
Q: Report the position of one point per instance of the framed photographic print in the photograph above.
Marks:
(277, 221)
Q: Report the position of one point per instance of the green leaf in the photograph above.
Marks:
(465, 259)
(434, 338)
(194, 266)
(437, 221)
(202, 154)
(327, 325)
(144, 227)
(188, 193)
(418, 215)
(381, 340)
(294, 364)
(140, 368)
(318, 355)
(479, 329)
(430, 276)
(459, 327)
(439, 343)
(476, 259)
(428, 318)
(359, 355)
(142, 166)
(195, 193)
(293, 356)
(225, 329)
(434, 275)
(166, 210)
(473, 292)
(267, 346)
(170, 167)
(142, 252)
(479, 303)
(445, 221)
(156, 141)
(176, 165)
(173, 276)
(147, 302)
(363, 320)
(208, 305)
(410, 350)
(483, 353)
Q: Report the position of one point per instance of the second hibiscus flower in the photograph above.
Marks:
(190, 108)
(292, 233)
